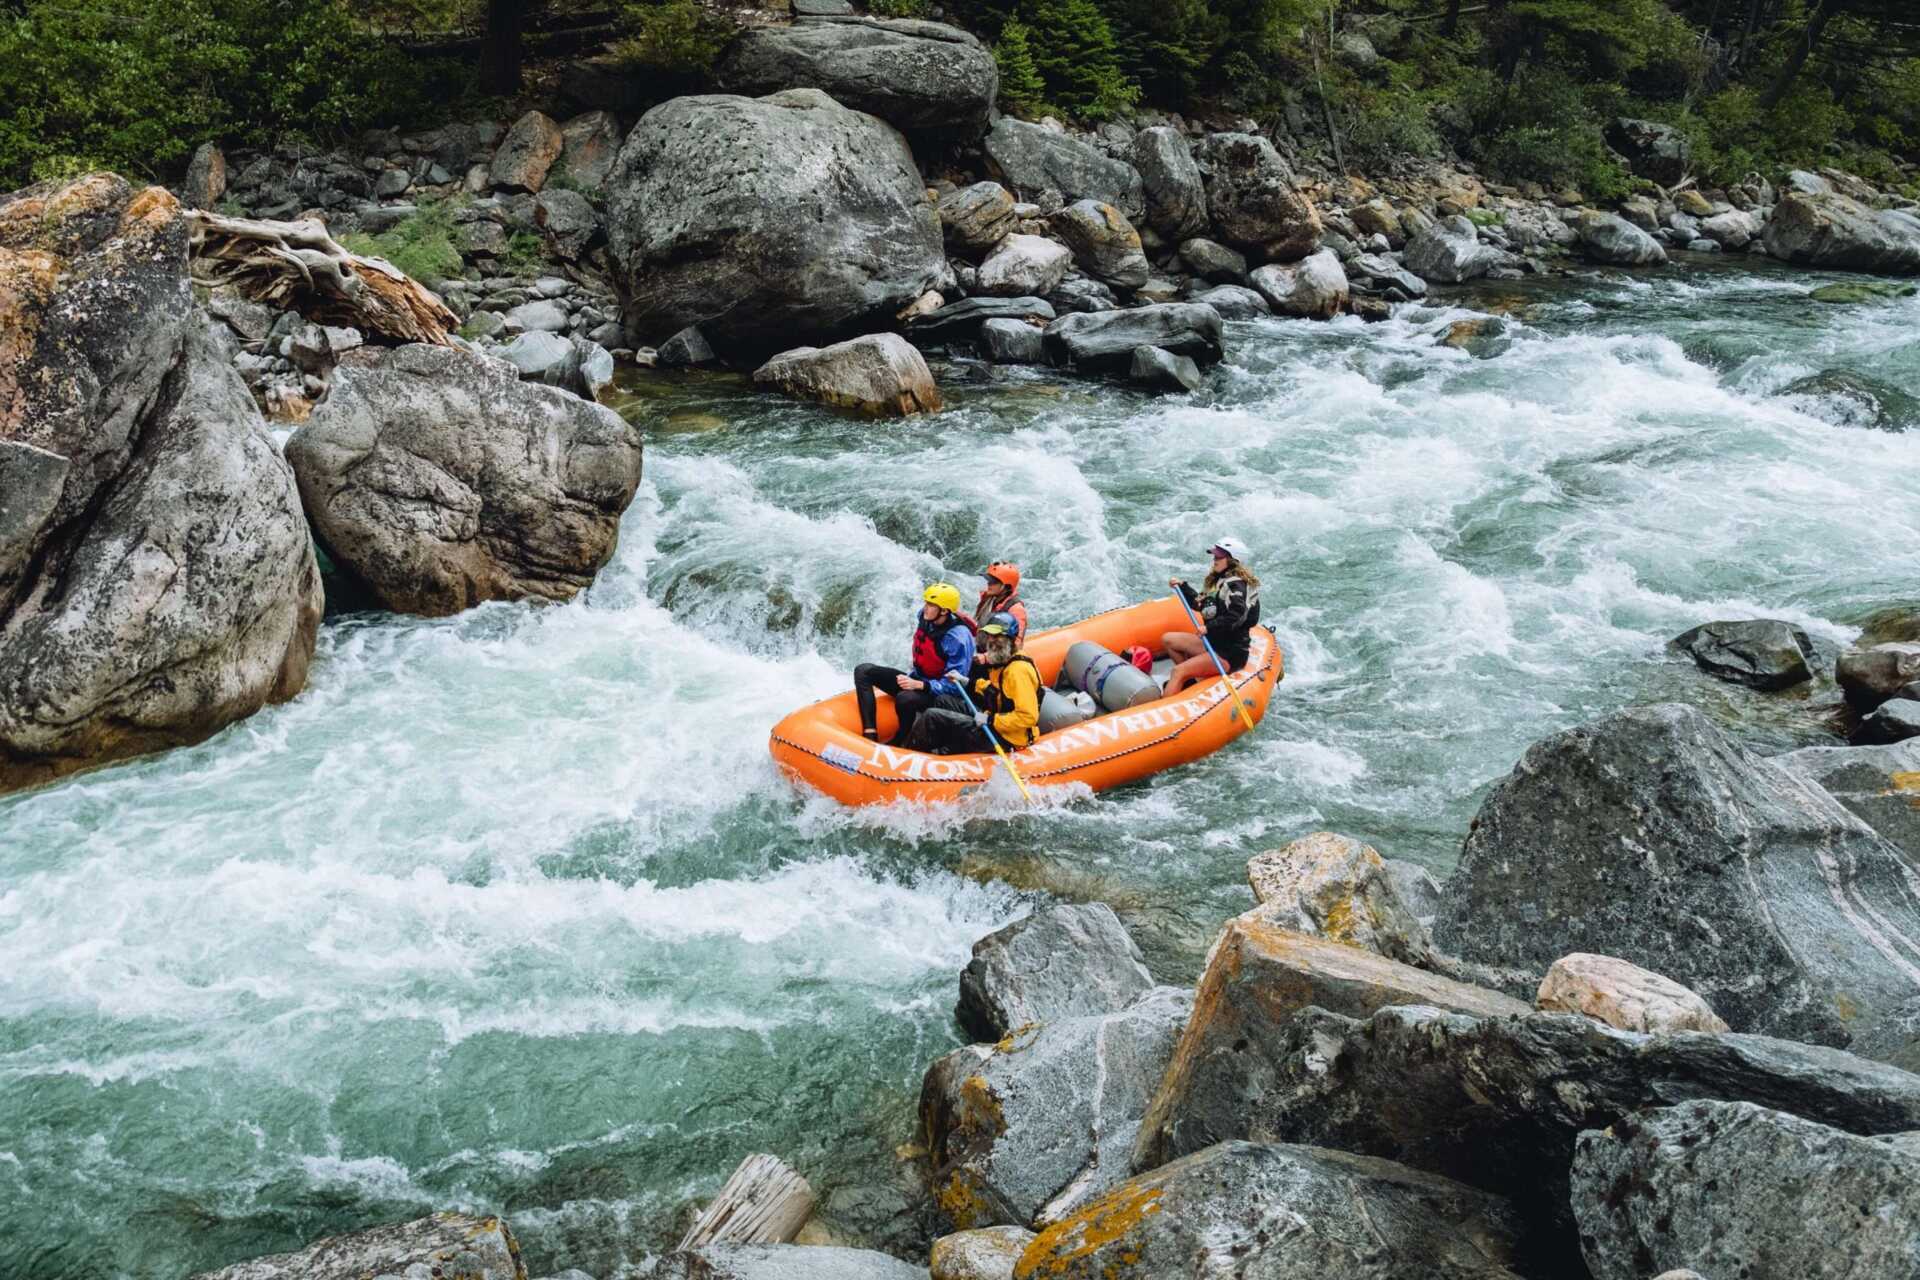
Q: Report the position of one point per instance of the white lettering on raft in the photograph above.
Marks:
(912, 764)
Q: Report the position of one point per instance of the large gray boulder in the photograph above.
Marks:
(1733, 1189)
(783, 1262)
(1314, 287)
(1254, 201)
(917, 76)
(1176, 194)
(1064, 962)
(1653, 150)
(157, 581)
(446, 1244)
(1831, 230)
(1022, 1132)
(1103, 242)
(1024, 266)
(527, 153)
(1334, 887)
(1880, 785)
(1611, 239)
(1870, 676)
(1652, 836)
(441, 480)
(1761, 653)
(1498, 1102)
(1276, 1212)
(1234, 302)
(1031, 160)
(881, 374)
(974, 219)
(1895, 720)
(1450, 252)
(762, 253)
(1103, 341)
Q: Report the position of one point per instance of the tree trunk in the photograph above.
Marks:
(1451, 23)
(500, 53)
(1802, 50)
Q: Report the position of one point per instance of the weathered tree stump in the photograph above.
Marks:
(299, 266)
(764, 1202)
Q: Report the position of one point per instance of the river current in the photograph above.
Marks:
(511, 912)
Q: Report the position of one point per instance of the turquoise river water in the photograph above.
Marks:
(511, 912)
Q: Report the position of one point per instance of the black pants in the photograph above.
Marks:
(908, 704)
(944, 732)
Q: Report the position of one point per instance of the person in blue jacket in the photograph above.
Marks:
(942, 642)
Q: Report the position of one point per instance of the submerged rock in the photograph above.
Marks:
(1103, 342)
(1622, 836)
(446, 1244)
(760, 253)
(1285, 1213)
(440, 480)
(1763, 654)
(157, 581)
(1152, 367)
(1849, 399)
(1623, 995)
(1739, 1190)
(1830, 230)
(1031, 159)
(915, 75)
(1062, 962)
(1334, 887)
(880, 374)
(1852, 292)
(1023, 1132)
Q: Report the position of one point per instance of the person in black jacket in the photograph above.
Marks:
(1229, 605)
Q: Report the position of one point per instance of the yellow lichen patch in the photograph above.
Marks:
(982, 1104)
(89, 194)
(960, 1200)
(1019, 1038)
(1054, 1251)
(1339, 920)
(27, 279)
(1906, 783)
(151, 208)
(1845, 1006)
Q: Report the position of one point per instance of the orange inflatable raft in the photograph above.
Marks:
(822, 746)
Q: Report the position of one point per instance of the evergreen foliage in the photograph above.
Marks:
(1021, 88)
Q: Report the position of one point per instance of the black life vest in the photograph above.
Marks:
(928, 662)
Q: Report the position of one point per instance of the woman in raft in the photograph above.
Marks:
(1229, 605)
(1002, 595)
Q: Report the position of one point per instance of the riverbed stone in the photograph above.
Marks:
(157, 581)
(1868, 677)
(1894, 720)
(1735, 1189)
(1334, 887)
(1653, 836)
(1254, 201)
(989, 1253)
(206, 181)
(783, 1262)
(1234, 302)
(590, 143)
(976, 218)
(1377, 273)
(1610, 238)
(1103, 242)
(440, 480)
(1879, 785)
(1830, 230)
(1030, 160)
(686, 349)
(881, 374)
(526, 155)
(1849, 398)
(1024, 1131)
(1623, 995)
(760, 253)
(918, 76)
(1013, 342)
(1023, 266)
(1103, 342)
(1213, 261)
(1733, 230)
(1314, 287)
(1653, 150)
(1064, 961)
(1450, 252)
(1283, 1212)
(569, 221)
(1763, 653)
(963, 321)
(1176, 194)
(1164, 371)
(460, 1246)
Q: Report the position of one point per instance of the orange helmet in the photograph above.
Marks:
(1006, 573)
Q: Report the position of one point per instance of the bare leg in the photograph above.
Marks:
(1181, 645)
(1191, 671)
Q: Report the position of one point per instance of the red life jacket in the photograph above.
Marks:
(928, 662)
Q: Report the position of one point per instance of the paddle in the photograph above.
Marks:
(960, 683)
(1218, 665)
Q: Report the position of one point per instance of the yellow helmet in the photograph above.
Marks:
(944, 594)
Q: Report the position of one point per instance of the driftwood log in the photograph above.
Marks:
(764, 1202)
(297, 266)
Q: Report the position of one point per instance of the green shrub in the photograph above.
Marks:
(424, 244)
(1078, 58)
(677, 37)
(524, 252)
(1021, 88)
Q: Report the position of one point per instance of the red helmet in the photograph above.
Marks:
(1005, 573)
(1141, 656)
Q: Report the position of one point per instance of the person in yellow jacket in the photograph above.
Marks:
(1007, 698)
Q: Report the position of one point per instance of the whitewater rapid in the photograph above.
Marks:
(511, 912)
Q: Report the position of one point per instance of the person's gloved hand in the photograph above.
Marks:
(980, 718)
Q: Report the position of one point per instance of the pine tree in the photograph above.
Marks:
(1021, 87)
(1076, 53)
